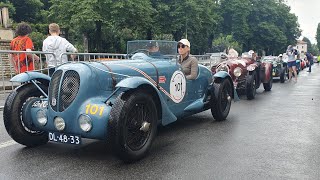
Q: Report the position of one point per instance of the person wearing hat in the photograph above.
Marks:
(153, 49)
(280, 57)
(189, 64)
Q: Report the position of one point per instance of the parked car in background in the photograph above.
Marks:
(120, 101)
(247, 74)
(280, 68)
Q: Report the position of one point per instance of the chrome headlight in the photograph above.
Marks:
(59, 123)
(237, 71)
(85, 122)
(42, 117)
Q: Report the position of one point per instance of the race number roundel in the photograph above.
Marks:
(177, 86)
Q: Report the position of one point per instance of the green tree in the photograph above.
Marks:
(314, 49)
(235, 14)
(27, 10)
(309, 46)
(223, 43)
(195, 20)
(275, 19)
(318, 36)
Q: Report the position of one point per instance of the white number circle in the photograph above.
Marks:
(177, 86)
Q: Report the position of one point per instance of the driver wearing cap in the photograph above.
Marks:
(153, 48)
(189, 64)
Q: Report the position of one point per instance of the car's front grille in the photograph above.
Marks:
(63, 92)
(54, 88)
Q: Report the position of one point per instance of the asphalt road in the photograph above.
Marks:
(275, 136)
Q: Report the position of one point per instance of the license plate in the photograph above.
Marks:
(64, 138)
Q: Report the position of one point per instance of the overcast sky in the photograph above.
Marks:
(308, 12)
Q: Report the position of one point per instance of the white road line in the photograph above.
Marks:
(8, 143)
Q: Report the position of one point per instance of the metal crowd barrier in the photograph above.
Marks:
(8, 70)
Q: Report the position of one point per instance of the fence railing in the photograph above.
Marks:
(9, 69)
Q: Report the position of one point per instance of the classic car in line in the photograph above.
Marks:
(247, 74)
(280, 68)
(120, 101)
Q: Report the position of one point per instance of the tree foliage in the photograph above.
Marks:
(108, 24)
(318, 36)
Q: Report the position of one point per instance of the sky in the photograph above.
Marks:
(308, 12)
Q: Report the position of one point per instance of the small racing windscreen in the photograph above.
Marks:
(157, 49)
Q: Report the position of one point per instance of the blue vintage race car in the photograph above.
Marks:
(122, 101)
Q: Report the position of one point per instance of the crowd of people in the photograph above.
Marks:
(52, 44)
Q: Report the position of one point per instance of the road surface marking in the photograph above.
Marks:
(8, 143)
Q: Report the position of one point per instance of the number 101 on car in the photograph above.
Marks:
(64, 138)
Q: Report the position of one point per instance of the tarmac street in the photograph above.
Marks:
(274, 136)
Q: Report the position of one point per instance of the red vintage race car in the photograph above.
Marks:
(247, 74)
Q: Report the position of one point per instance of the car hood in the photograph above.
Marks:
(232, 63)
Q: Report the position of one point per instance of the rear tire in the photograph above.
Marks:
(221, 102)
(13, 116)
(128, 116)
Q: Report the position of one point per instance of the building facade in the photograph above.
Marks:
(301, 46)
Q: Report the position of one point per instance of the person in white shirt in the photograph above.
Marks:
(57, 45)
(292, 62)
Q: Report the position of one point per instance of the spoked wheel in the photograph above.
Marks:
(221, 103)
(16, 115)
(132, 125)
(137, 128)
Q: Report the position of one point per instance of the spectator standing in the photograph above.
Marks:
(189, 64)
(56, 45)
(23, 61)
(309, 57)
(292, 62)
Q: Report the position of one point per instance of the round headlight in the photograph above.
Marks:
(42, 117)
(237, 71)
(59, 123)
(85, 122)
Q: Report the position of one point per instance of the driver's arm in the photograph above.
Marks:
(194, 69)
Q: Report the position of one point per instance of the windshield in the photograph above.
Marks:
(155, 49)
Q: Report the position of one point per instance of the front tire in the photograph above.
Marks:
(251, 86)
(267, 86)
(132, 125)
(283, 76)
(221, 102)
(14, 121)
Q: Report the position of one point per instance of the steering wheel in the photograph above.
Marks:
(145, 51)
